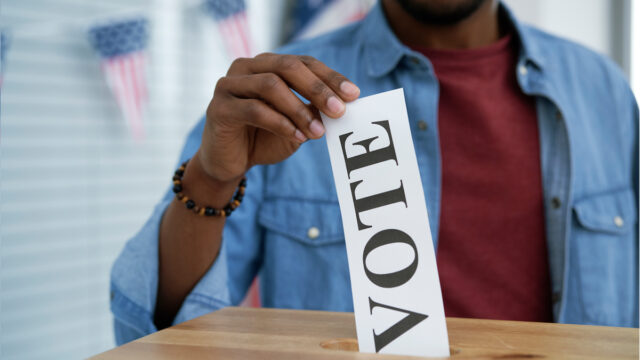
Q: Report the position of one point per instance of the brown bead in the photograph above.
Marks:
(236, 202)
(184, 199)
(179, 196)
(201, 211)
(196, 209)
(177, 182)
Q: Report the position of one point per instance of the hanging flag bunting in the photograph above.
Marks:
(4, 46)
(122, 48)
(314, 17)
(231, 17)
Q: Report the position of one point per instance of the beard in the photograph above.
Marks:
(440, 12)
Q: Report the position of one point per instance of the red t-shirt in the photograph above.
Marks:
(492, 252)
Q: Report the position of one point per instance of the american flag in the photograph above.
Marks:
(231, 16)
(314, 17)
(122, 48)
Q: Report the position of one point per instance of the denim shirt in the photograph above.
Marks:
(588, 124)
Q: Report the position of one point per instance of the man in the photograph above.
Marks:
(527, 146)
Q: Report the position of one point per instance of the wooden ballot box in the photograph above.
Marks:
(245, 333)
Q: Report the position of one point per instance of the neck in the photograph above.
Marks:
(479, 29)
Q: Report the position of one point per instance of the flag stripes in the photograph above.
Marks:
(235, 35)
(126, 79)
(231, 17)
(122, 46)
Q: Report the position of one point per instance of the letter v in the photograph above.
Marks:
(412, 319)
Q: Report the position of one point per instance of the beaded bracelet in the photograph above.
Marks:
(206, 210)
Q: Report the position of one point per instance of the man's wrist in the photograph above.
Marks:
(205, 189)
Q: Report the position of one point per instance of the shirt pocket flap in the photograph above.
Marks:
(311, 222)
(613, 212)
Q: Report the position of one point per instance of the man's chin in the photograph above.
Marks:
(440, 12)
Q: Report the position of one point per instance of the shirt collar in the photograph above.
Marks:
(529, 48)
(383, 51)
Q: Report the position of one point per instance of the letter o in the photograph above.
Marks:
(394, 279)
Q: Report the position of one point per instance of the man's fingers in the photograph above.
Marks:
(347, 90)
(300, 78)
(273, 90)
(239, 66)
(256, 113)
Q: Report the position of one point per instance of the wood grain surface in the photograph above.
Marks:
(245, 333)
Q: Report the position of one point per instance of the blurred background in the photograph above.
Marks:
(96, 99)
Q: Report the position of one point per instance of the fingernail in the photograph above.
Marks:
(316, 127)
(300, 136)
(349, 88)
(335, 106)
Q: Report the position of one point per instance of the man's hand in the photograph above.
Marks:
(255, 117)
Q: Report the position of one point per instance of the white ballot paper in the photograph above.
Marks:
(394, 279)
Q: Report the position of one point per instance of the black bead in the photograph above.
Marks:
(177, 188)
(228, 210)
(239, 197)
(176, 177)
(190, 204)
(179, 172)
(209, 211)
(243, 182)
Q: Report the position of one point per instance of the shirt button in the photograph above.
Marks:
(559, 115)
(523, 70)
(555, 202)
(422, 125)
(313, 232)
(618, 221)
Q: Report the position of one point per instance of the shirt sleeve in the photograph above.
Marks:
(134, 275)
(635, 166)
(635, 179)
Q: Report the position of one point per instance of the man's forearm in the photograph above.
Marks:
(188, 243)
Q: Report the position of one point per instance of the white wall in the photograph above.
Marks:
(635, 46)
(74, 184)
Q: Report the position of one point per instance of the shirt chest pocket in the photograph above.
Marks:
(304, 262)
(604, 245)
(307, 222)
(610, 213)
